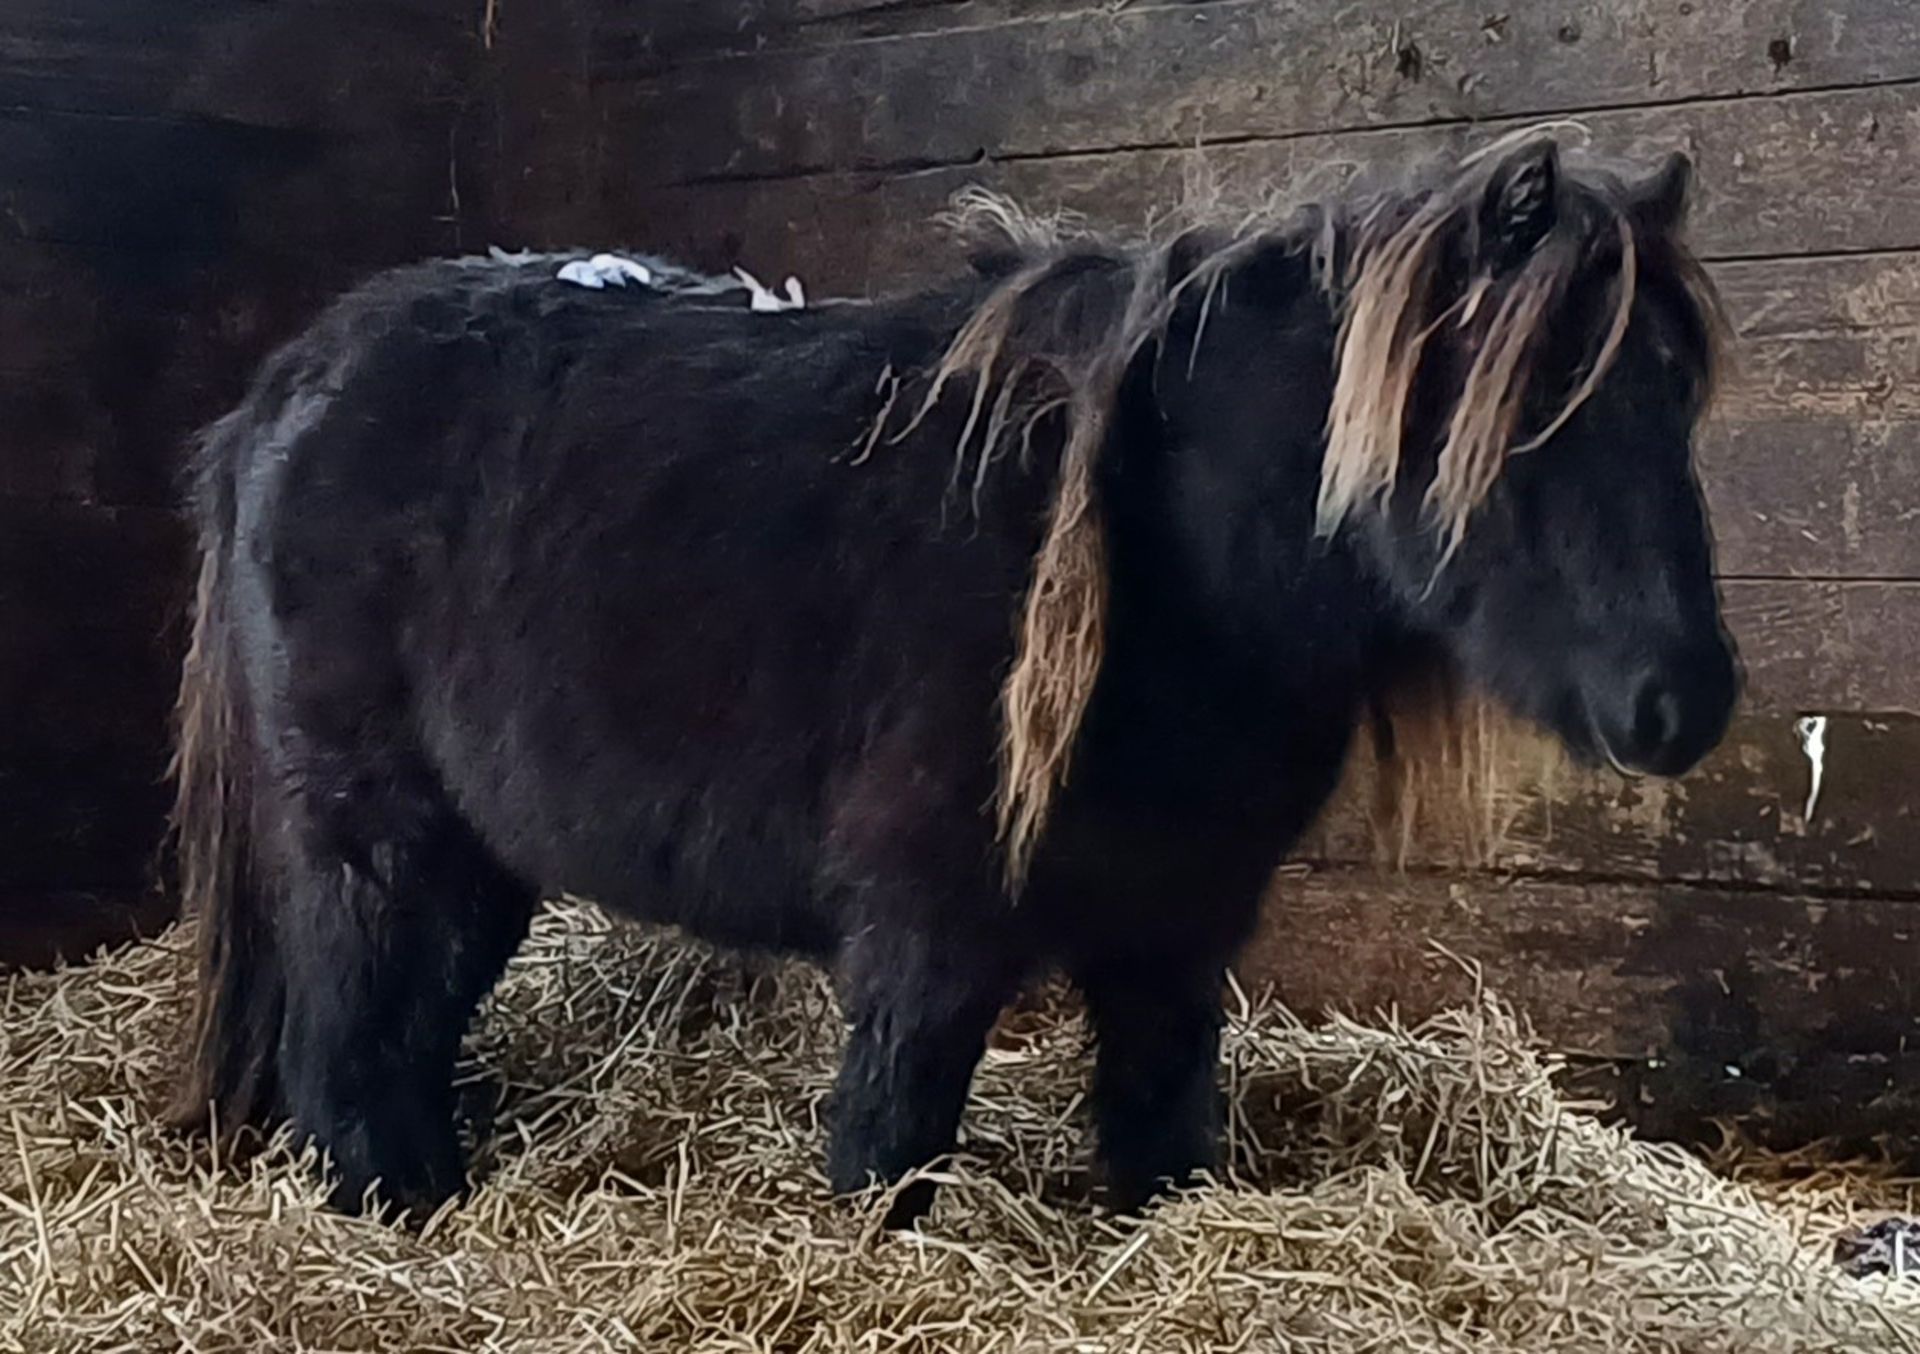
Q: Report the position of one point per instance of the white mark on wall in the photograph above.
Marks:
(1813, 743)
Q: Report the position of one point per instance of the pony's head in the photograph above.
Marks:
(1524, 352)
(1497, 409)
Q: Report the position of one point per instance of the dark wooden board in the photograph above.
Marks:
(39, 930)
(1801, 1013)
(1048, 83)
(665, 33)
(1739, 819)
(113, 359)
(339, 65)
(92, 602)
(1821, 496)
(180, 186)
(1821, 172)
(1812, 462)
(673, 32)
(204, 188)
(1835, 645)
(54, 431)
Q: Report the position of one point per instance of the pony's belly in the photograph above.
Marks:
(728, 854)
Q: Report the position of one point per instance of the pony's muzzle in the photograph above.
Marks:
(1669, 712)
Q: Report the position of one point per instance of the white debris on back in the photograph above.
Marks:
(602, 270)
(763, 299)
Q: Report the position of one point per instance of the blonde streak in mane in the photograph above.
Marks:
(1060, 640)
(976, 213)
(1489, 405)
(1380, 343)
(1486, 420)
(974, 352)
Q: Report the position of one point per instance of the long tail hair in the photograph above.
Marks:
(240, 998)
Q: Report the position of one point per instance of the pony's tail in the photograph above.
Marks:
(240, 995)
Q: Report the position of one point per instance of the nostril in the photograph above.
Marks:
(1656, 716)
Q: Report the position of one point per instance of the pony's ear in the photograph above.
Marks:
(1659, 202)
(1522, 202)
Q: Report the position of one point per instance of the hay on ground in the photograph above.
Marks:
(648, 1124)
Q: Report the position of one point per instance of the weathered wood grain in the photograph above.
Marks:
(1812, 462)
(114, 360)
(1825, 172)
(1820, 496)
(180, 186)
(1166, 75)
(336, 65)
(663, 34)
(53, 435)
(1709, 1002)
(189, 187)
(1839, 645)
(1741, 818)
(91, 601)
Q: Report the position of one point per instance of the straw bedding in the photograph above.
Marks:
(647, 1117)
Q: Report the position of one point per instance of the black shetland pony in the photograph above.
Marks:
(1022, 622)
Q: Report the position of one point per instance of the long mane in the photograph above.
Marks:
(1053, 339)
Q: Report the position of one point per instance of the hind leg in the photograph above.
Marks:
(387, 949)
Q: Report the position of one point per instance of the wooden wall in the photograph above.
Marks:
(181, 184)
(1709, 945)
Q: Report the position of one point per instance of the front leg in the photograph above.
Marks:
(1156, 1095)
(919, 1009)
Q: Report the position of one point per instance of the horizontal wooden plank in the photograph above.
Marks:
(1801, 1012)
(91, 602)
(1099, 77)
(337, 65)
(1812, 462)
(90, 566)
(1828, 337)
(1740, 819)
(205, 188)
(1819, 496)
(39, 930)
(112, 358)
(54, 433)
(71, 826)
(1828, 645)
(1810, 173)
(675, 30)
